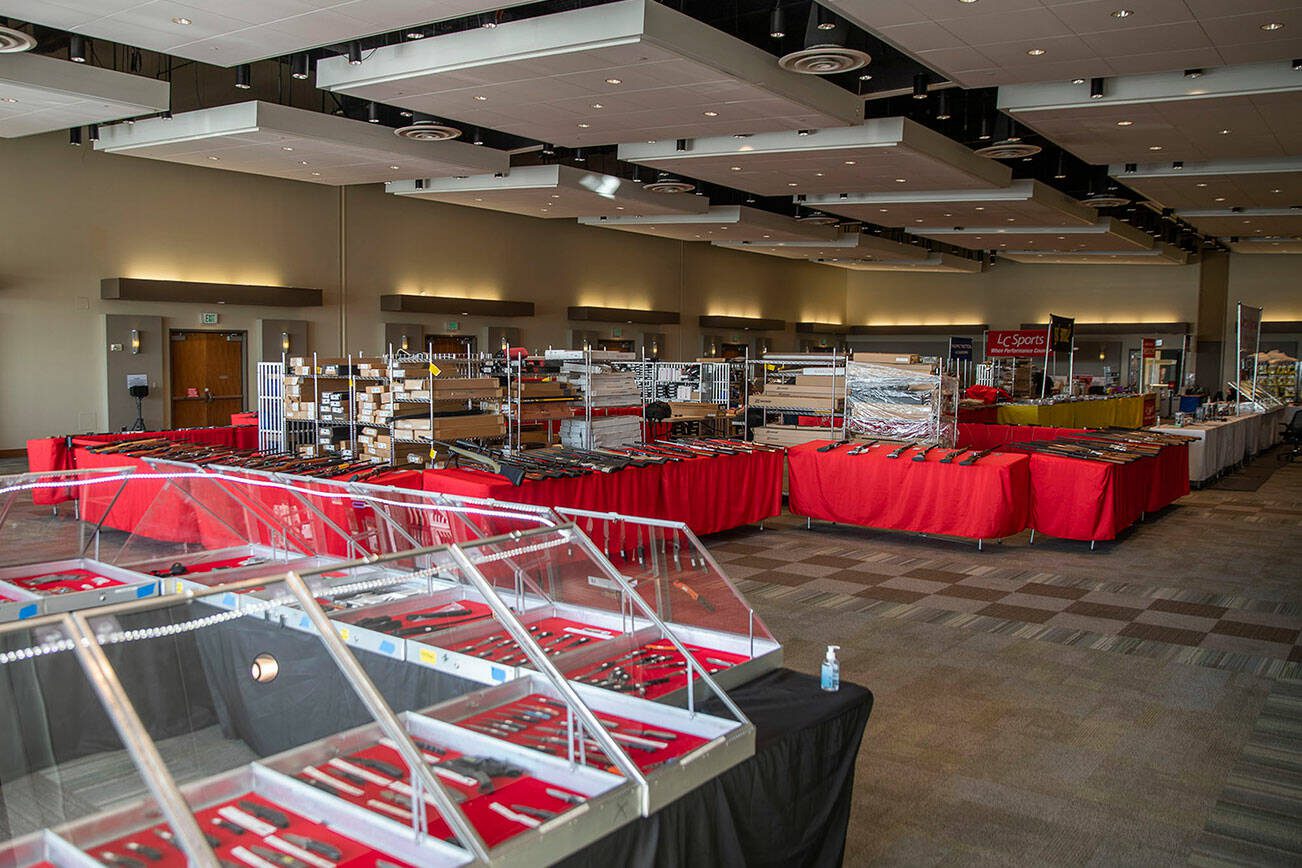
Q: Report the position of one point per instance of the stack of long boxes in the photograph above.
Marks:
(817, 394)
(456, 405)
(374, 414)
(602, 388)
(607, 432)
(893, 396)
(299, 390)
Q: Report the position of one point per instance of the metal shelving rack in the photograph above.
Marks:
(473, 362)
(779, 367)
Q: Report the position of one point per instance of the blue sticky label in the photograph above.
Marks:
(147, 590)
(228, 600)
(497, 674)
(27, 611)
(304, 622)
(387, 647)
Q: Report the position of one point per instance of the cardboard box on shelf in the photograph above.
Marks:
(789, 435)
(888, 358)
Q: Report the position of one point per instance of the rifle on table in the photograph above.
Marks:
(833, 445)
(977, 456)
(948, 457)
(513, 471)
(1067, 450)
(922, 456)
(128, 446)
(898, 452)
(863, 447)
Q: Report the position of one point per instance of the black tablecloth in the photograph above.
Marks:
(788, 806)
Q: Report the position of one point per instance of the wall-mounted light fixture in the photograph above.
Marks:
(284, 342)
(405, 344)
(135, 342)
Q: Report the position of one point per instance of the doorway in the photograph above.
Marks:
(207, 377)
(450, 345)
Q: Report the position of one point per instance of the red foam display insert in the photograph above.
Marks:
(643, 673)
(492, 826)
(478, 612)
(354, 853)
(509, 651)
(77, 579)
(680, 744)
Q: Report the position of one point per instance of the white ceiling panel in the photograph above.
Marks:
(944, 263)
(230, 32)
(1267, 245)
(629, 71)
(552, 191)
(720, 223)
(878, 155)
(1107, 235)
(1099, 257)
(40, 94)
(1217, 185)
(1260, 222)
(1023, 203)
(988, 43)
(268, 139)
(1252, 112)
(847, 247)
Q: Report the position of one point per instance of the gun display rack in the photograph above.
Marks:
(782, 370)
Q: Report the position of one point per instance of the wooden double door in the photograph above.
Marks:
(207, 377)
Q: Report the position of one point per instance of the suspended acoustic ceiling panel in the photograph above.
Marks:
(1234, 113)
(941, 263)
(228, 32)
(985, 44)
(551, 191)
(1098, 257)
(852, 246)
(1024, 203)
(263, 138)
(1208, 186)
(719, 223)
(1271, 222)
(875, 156)
(1266, 245)
(626, 71)
(40, 94)
(1107, 235)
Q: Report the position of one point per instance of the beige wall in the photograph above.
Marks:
(70, 217)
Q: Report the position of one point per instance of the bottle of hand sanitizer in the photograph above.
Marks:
(832, 669)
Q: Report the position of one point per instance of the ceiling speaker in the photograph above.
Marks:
(13, 41)
(1105, 200)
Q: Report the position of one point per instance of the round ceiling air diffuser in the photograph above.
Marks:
(13, 41)
(668, 185)
(825, 60)
(1008, 149)
(428, 131)
(817, 218)
(1105, 200)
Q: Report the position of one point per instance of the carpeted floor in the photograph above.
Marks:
(1048, 704)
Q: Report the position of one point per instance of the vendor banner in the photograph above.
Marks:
(960, 349)
(1061, 331)
(1016, 342)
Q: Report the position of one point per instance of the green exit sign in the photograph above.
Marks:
(207, 318)
(453, 325)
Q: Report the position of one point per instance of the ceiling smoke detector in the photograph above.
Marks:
(13, 41)
(1105, 200)
(428, 131)
(825, 60)
(666, 184)
(1009, 148)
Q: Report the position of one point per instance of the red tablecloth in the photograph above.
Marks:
(49, 454)
(978, 415)
(987, 500)
(1077, 499)
(977, 435)
(242, 419)
(707, 494)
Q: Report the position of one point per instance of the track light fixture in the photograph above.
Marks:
(243, 76)
(1193, 73)
(74, 136)
(92, 133)
(298, 66)
(77, 48)
(777, 22)
(372, 112)
(680, 145)
(579, 156)
(355, 53)
(984, 133)
(1132, 168)
(824, 18)
(476, 139)
(166, 115)
(942, 106)
(548, 150)
(1096, 88)
(920, 85)
(1177, 164)
(1061, 171)
(1297, 65)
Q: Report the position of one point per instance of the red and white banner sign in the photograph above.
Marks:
(1149, 348)
(1017, 342)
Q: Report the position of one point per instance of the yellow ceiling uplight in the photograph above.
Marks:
(490, 292)
(239, 275)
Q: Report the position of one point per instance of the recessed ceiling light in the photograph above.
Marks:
(735, 168)
(980, 208)
(302, 162)
(1225, 132)
(619, 207)
(1220, 198)
(1078, 81)
(917, 219)
(792, 184)
(182, 21)
(1155, 147)
(316, 174)
(556, 195)
(1201, 184)
(1035, 52)
(1277, 191)
(882, 210)
(478, 199)
(597, 105)
(479, 97)
(415, 34)
(584, 126)
(1125, 123)
(967, 1)
(901, 180)
(1122, 13)
(8, 99)
(614, 81)
(1273, 25)
(849, 162)
(286, 148)
(215, 159)
(710, 114)
(395, 168)
(818, 174)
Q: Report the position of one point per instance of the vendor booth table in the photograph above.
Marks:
(709, 494)
(986, 500)
(1223, 443)
(1125, 412)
